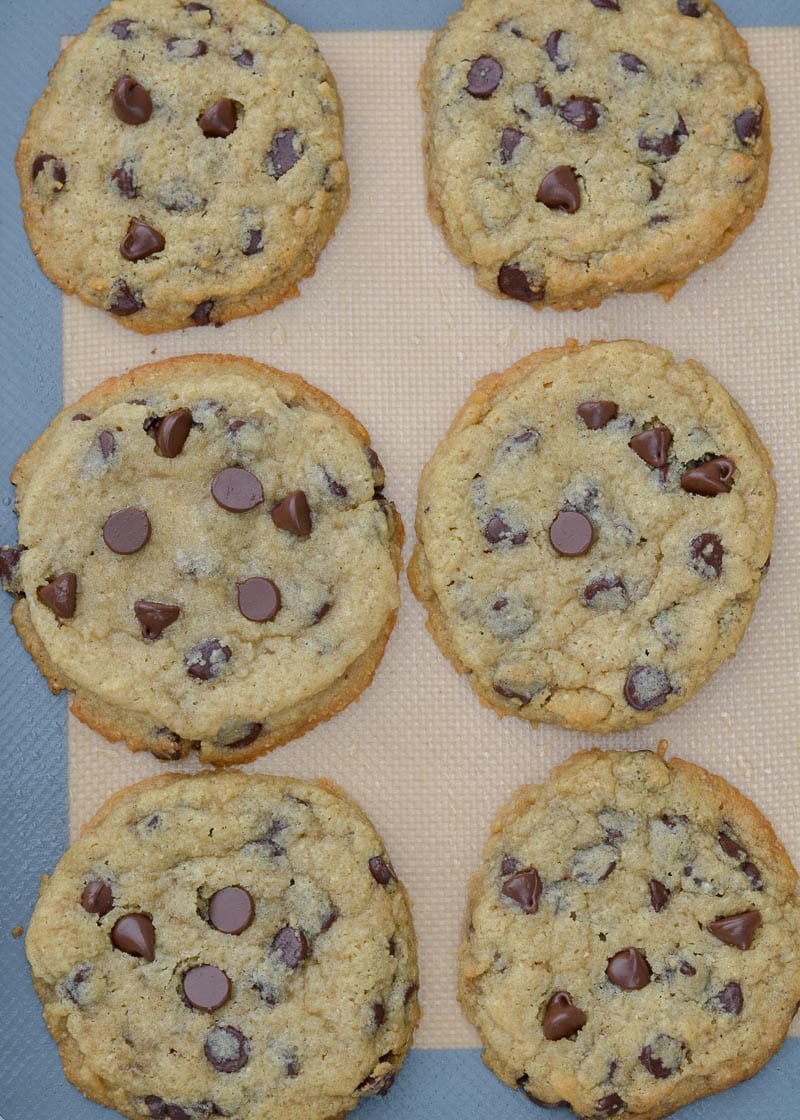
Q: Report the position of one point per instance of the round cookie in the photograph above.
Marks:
(631, 940)
(592, 533)
(206, 558)
(575, 148)
(227, 945)
(184, 165)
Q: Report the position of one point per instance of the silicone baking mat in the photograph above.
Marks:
(396, 329)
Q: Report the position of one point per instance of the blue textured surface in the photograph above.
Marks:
(434, 1085)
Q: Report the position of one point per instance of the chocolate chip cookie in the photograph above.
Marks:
(592, 534)
(632, 939)
(575, 148)
(227, 945)
(185, 165)
(206, 558)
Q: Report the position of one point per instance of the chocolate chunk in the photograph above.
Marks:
(173, 431)
(754, 875)
(524, 888)
(220, 119)
(571, 533)
(707, 552)
(730, 847)
(606, 594)
(596, 414)
(646, 687)
(485, 75)
(508, 143)
(518, 284)
(154, 618)
(259, 599)
(610, 1105)
(731, 999)
(201, 316)
(127, 531)
(737, 930)
(631, 63)
(654, 1065)
(291, 945)
(121, 28)
(59, 594)
(293, 514)
(244, 58)
(255, 242)
(552, 46)
(283, 154)
(97, 897)
(690, 8)
(559, 190)
(748, 125)
(231, 910)
(131, 101)
(123, 300)
(206, 987)
(711, 478)
(57, 170)
(227, 1049)
(628, 969)
(236, 490)
(497, 531)
(580, 112)
(382, 871)
(134, 934)
(607, 5)
(659, 895)
(141, 241)
(652, 445)
(562, 1018)
(205, 660)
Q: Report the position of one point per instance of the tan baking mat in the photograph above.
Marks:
(396, 329)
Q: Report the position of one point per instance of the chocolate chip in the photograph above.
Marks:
(496, 531)
(754, 875)
(580, 112)
(291, 945)
(731, 999)
(206, 987)
(711, 478)
(608, 593)
(664, 144)
(59, 594)
(154, 618)
(382, 871)
(201, 316)
(518, 284)
(336, 488)
(220, 119)
(748, 125)
(194, 7)
(293, 514)
(121, 28)
(562, 1018)
(245, 58)
(607, 5)
(730, 847)
(283, 154)
(156, 1107)
(255, 242)
(107, 442)
(205, 660)
(236, 490)
(321, 611)
(571, 533)
(610, 1105)
(259, 599)
(707, 552)
(227, 1049)
(646, 687)
(687, 969)
(75, 981)
(134, 934)
(127, 531)
(97, 897)
(524, 889)
(690, 8)
(522, 1085)
(81, 416)
(181, 47)
(57, 170)
(131, 101)
(485, 75)
(559, 190)
(510, 694)
(596, 414)
(654, 1065)
(141, 241)
(378, 1014)
(376, 1086)
(628, 969)
(124, 301)
(652, 445)
(172, 432)
(551, 46)
(508, 143)
(631, 63)
(656, 187)
(659, 895)
(9, 562)
(737, 930)
(231, 910)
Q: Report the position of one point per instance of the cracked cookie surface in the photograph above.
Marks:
(206, 558)
(578, 148)
(631, 940)
(592, 534)
(185, 164)
(227, 945)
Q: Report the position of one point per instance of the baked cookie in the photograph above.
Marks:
(632, 940)
(592, 533)
(184, 166)
(575, 148)
(205, 558)
(227, 945)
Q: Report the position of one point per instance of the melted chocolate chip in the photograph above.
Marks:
(60, 594)
(172, 431)
(659, 895)
(231, 910)
(57, 170)
(201, 316)
(552, 46)
(646, 687)
(107, 442)
(291, 945)
(255, 242)
(382, 871)
(205, 660)
(485, 75)
(711, 478)
(244, 58)
(497, 531)
(259, 599)
(731, 999)
(236, 490)
(134, 934)
(524, 889)
(127, 531)
(220, 119)
(121, 28)
(206, 987)
(610, 1105)
(154, 618)
(562, 1018)
(227, 1049)
(141, 241)
(737, 930)
(97, 897)
(581, 112)
(631, 63)
(131, 101)
(707, 552)
(596, 414)
(293, 514)
(559, 190)
(123, 300)
(628, 969)
(748, 125)
(508, 143)
(571, 533)
(652, 445)
(515, 283)
(283, 153)
(654, 1065)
